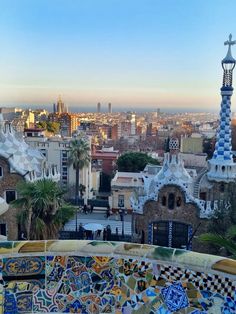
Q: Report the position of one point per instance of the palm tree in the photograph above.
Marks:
(226, 241)
(79, 157)
(25, 203)
(43, 212)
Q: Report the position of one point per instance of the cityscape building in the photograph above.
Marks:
(68, 122)
(191, 144)
(105, 159)
(109, 108)
(56, 151)
(61, 107)
(133, 124)
(98, 107)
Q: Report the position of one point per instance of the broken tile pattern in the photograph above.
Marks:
(105, 284)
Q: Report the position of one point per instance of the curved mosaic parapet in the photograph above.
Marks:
(80, 276)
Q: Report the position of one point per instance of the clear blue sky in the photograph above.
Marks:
(149, 53)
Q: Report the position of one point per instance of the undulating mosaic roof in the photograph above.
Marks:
(21, 157)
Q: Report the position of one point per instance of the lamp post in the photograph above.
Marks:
(122, 214)
(76, 220)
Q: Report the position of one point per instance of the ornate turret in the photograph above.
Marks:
(173, 171)
(221, 166)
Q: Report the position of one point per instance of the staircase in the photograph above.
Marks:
(197, 183)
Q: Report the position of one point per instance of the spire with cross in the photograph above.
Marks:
(228, 64)
(229, 57)
(222, 166)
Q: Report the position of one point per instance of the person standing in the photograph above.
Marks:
(104, 234)
(85, 209)
(108, 233)
(81, 232)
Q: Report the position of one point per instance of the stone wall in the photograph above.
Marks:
(9, 182)
(95, 277)
(217, 190)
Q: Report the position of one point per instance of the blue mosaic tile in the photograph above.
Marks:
(162, 310)
(101, 285)
(9, 303)
(206, 294)
(227, 310)
(230, 303)
(24, 302)
(175, 297)
(23, 266)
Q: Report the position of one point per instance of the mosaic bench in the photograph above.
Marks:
(112, 277)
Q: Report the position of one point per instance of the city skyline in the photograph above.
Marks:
(152, 54)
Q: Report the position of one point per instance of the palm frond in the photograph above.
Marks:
(219, 241)
(39, 202)
(39, 229)
(22, 217)
(231, 232)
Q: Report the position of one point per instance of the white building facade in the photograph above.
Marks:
(56, 151)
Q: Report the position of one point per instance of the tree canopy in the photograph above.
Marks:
(52, 127)
(221, 231)
(134, 161)
(227, 241)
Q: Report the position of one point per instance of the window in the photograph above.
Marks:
(163, 201)
(64, 154)
(222, 187)
(10, 196)
(1, 172)
(178, 201)
(121, 200)
(3, 229)
(203, 196)
(171, 201)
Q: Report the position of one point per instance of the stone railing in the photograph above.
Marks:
(112, 277)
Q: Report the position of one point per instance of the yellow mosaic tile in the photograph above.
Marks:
(6, 247)
(29, 247)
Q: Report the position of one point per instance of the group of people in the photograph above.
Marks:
(87, 209)
(85, 234)
(91, 235)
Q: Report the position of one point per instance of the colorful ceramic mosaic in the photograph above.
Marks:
(107, 277)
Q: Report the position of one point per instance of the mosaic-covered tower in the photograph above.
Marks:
(221, 166)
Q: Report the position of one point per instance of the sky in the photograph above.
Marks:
(132, 53)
